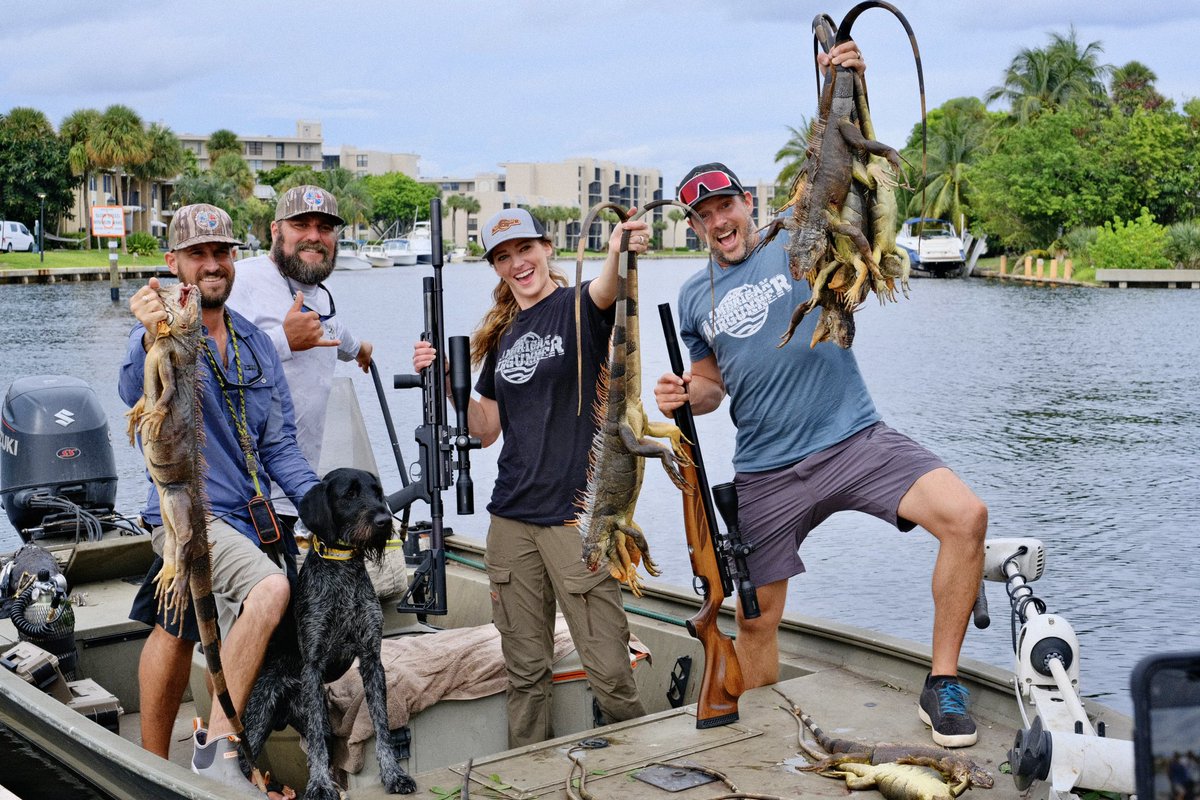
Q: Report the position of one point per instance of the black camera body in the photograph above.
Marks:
(1166, 725)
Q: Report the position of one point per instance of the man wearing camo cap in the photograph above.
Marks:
(238, 364)
(283, 294)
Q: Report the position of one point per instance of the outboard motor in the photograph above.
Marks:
(55, 454)
(34, 596)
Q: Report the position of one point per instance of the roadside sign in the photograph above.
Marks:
(108, 221)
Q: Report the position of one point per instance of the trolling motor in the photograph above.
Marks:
(442, 449)
(34, 596)
(1061, 745)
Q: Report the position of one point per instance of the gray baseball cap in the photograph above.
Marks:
(199, 223)
(511, 223)
(307, 200)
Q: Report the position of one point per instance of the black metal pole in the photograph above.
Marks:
(42, 228)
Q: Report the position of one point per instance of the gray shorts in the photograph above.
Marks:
(869, 472)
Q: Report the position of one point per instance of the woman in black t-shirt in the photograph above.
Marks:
(528, 391)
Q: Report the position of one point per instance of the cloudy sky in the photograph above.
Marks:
(468, 85)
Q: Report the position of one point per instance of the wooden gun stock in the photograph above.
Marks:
(722, 682)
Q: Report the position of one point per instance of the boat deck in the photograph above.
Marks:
(855, 684)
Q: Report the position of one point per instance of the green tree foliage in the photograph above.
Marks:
(1183, 244)
(460, 202)
(274, 177)
(1137, 244)
(792, 156)
(676, 215)
(166, 158)
(395, 196)
(1049, 78)
(1084, 165)
(956, 136)
(222, 141)
(205, 187)
(141, 244)
(233, 168)
(76, 132)
(119, 143)
(32, 162)
(1132, 87)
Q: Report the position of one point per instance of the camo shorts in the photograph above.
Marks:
(238, 566)
(869, 472)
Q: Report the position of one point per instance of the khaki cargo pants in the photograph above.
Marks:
(529, 567)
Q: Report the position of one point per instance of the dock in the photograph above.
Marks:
(1162, 278)
(80, 274)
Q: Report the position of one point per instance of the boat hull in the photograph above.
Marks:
(861, 684)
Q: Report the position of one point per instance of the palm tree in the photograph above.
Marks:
(166, 159)
(792, 154)
(77, 131)
(22, 122)
(206, 187)
(452, 205)
(1049, 78)
(119, 142)
(222, 141)
(676, 215)
(1133, 88)
(956, 135)
(469, 205)
(232, 167)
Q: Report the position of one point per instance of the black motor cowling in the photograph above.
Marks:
(54, 442)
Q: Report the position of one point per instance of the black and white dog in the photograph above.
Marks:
(338, 617)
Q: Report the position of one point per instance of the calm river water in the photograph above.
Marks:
(1074, 413)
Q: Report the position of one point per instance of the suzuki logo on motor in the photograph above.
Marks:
(68, 452)
(8, 444)
(64, 417)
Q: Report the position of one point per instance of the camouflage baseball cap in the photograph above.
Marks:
(199, 223)
(307, 200)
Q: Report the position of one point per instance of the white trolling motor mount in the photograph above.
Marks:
(1061, 745)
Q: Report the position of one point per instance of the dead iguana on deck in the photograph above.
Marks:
(621, 441)
(960, 770)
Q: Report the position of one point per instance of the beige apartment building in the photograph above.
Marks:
(268, 152)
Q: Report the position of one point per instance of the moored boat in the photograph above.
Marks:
(375, 255)
(420, 242)
(400, 252)
(934, 247)
(348, 256)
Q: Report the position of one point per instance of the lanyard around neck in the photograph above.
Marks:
(240, 421)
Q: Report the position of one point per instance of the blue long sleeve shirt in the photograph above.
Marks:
(270, 419)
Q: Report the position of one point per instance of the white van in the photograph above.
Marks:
(15, 236)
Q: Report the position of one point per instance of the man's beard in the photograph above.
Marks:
(749, 240)
(297, 268)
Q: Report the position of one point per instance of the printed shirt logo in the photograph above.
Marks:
(314, 198)
(206, 220)
(518, 363)
(743, 310)
(505, 224)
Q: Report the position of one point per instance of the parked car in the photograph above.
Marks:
(15, 236)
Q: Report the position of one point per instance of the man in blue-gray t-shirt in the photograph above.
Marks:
(809, 440)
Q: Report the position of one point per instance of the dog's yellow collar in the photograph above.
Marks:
(331, 553)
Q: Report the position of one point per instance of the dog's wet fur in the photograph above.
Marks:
(338, 618)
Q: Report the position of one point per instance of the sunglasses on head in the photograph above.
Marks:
(711, 181)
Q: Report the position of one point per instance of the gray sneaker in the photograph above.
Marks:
(943, 707)
(218, 759)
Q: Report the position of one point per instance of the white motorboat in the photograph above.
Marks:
(400, 252)
(933, 245)
(420, 242)
(348, 256)
(375, 255)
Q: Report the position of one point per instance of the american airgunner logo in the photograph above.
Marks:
(504, 224)
(743, 310)
(314, 199)
(518, 363)
(206, 220)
